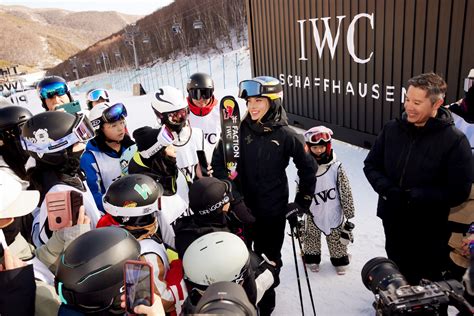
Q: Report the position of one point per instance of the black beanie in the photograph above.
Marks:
(145, 137)
(208, 195)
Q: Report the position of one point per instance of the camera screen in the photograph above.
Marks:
(137, 285)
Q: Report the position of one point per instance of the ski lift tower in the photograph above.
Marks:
(130, 32)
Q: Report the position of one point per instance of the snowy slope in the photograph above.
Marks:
(333, 294)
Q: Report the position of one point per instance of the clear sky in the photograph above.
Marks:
(137, 7)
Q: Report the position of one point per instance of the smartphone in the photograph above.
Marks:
(71, 107)
(203, 162)
(63, 208)
(138, 279)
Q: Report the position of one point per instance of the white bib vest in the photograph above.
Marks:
(172, 207)
(326, 206)
(109, 168)
(186, 157)
(211, 127)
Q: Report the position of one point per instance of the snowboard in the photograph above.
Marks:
(230, 122)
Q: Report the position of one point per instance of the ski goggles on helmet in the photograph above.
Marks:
(52, 89)
(96, 94)
(114, 113)
(164, 139)
(317, 137)
(177, 117)
(252, 88)
(198, 94)
(81, 132)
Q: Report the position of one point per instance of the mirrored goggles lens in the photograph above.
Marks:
(249, 88)
(114, 113)
(198, 94)
(96, 94)
(84, 129)
(178, 117)
(53, 89)
(317, 138)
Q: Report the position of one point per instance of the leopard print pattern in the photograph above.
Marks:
(312, 240)
(345, 193)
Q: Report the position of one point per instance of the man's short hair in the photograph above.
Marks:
(433, 84)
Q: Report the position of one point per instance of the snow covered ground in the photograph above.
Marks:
(333, 294)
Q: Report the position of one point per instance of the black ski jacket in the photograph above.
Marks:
(265, 151)
(431, 166)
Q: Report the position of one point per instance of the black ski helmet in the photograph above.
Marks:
(49, 80)
(89, 276)
(13, 117)
(48, 127)
(132, 200)
(200, 81)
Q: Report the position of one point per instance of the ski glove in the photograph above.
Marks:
(242, 212)
(346, 233)
(293, 210)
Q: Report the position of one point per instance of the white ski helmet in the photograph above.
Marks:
(96, 113)
(171, 107)
(215, 257)
(106, 113)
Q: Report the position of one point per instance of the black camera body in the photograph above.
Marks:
(425, 299)
(395, 297)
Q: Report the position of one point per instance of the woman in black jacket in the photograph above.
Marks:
(266, 145)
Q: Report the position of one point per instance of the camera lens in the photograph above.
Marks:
(381, 274)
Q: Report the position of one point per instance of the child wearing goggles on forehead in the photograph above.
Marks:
(96, 96)
(204, 113)
(53, 91)
(107, 156)
(332, 201)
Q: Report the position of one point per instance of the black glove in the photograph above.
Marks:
(346, 233)
(293, 210)
(242, 212)
(271, 266)
(304, 200)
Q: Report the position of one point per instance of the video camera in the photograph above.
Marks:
(394, 296)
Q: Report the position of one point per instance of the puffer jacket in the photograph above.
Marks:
(431, 164)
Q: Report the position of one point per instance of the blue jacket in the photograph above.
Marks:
(97, 178)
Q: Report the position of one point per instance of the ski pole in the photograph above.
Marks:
(306, 274)
(297, 273)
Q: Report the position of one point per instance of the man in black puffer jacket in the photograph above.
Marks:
(420, 165)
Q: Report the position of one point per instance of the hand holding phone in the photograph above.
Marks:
(63, 208)
(138, 278)
(71, 107)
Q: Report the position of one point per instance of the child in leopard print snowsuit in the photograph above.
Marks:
(332, 201)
